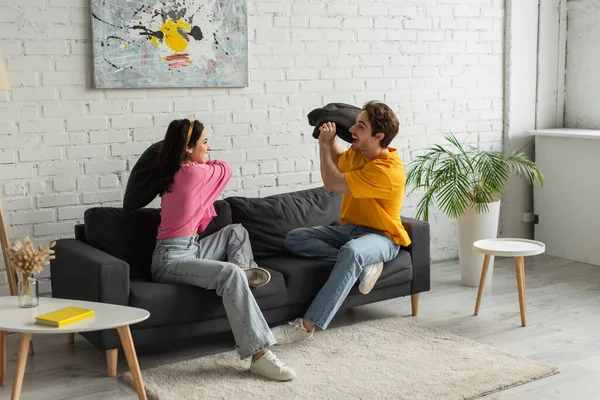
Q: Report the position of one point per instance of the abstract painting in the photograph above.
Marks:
(170, 43)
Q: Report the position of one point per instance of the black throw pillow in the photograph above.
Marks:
(141, 188)
(344, 116)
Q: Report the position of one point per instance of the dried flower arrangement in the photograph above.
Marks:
(28, 261)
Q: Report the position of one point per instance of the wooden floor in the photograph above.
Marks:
(563, 315)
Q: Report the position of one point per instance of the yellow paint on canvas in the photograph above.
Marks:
(172, 37)
(126, 45)
(154, 41)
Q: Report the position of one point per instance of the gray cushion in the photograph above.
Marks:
(141, 186)
(131, 235)
(268, 220)
(343, 115)
(305, 277)
(126, 235)
(173, 304)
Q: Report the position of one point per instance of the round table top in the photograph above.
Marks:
(508, 247)
(106, 316)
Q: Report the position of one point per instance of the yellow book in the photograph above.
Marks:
(64, 316)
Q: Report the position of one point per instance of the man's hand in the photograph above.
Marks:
(333, 178)
(327, 133)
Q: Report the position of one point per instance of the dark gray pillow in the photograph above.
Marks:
(141, 187)
(344, 116)
(131, 235)
(127, 235)
(268, 220)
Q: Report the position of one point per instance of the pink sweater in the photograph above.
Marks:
(188, 208)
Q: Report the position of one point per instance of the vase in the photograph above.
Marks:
(29, 295)
(474, 226)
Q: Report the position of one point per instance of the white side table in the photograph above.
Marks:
(517, 248)
(106, 316)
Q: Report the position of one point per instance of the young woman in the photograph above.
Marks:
(223, 261)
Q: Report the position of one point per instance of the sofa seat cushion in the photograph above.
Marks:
(305, 277)
(173, 304)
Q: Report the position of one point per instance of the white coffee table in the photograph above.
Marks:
(517, 248)
(107, 316)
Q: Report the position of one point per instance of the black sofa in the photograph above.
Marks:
(109, 262)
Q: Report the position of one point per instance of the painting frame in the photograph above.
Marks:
(169, 43)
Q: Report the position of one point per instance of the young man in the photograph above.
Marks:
(371, 176)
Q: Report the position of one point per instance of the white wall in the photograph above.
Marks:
(582, 99)
(66, 147)
(520, 99)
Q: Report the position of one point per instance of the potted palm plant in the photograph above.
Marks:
(466, 184)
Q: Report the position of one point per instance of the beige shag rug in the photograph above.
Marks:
(391, 358)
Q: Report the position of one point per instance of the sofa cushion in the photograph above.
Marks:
(127, 235)
(131, 235)
(222, 219)
(268, 220)
(172, 304)
(305, 277)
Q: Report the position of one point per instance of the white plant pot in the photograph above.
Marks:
(473, 226)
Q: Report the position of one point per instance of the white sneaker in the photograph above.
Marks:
(271, 367)
(257, 277)
(369, 277)
(291, 332)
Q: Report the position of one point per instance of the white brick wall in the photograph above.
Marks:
(65, 146)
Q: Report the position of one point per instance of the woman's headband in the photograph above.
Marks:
(189, 135)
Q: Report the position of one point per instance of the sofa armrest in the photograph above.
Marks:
(419, 251)
(82, 272)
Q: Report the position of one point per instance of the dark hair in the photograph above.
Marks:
(382, 119)
(172, 152)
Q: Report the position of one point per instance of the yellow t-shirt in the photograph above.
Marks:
(377, 192)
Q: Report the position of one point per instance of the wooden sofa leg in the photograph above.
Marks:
(111, 360)
(414, 302)
(70, 338)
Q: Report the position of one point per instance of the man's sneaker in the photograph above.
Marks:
(257, 277)
(291, 332)
(369, 277)
(271, 367)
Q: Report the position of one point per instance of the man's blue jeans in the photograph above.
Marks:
(351, 247)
